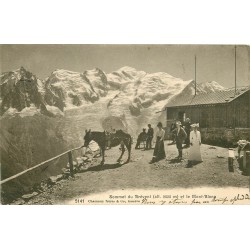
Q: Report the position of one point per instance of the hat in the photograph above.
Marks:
(195, 125)
(178, 123)
(159, 124)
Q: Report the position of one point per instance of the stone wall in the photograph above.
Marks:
(224, 136)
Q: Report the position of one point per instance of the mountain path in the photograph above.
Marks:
(139, 174)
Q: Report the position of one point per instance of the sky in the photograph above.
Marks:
(214, 62)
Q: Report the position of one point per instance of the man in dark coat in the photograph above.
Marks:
(150, 135)
(187, 129)
(172, 128)
(180, 136)
(141, 138)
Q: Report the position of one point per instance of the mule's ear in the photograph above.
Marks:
(89, 130)
(86, 131)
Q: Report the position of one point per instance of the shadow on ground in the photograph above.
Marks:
(174, 160)
(103, 167)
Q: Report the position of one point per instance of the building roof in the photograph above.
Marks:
(218, 97)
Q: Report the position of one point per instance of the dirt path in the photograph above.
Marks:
(139, 174)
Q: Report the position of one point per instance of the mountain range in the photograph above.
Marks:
(132, 95)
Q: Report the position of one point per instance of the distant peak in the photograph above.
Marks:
(96, 69)
(127, 68)
(213, 82)
(21, 72)
(56, 70)
(21, 69)
(209, 83)
(64, 71)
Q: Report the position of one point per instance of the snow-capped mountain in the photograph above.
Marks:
(206, 87)
(98, 79)
(75, 89)
(141, 95)
(20, 89)
(132, 95)
(24, 94)
(124, 75)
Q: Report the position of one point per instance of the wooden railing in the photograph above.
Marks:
(69, 152)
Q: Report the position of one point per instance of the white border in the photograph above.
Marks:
(124, 22)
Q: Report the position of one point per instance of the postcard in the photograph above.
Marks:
(125, 124)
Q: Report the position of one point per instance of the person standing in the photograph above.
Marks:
(195, 143)
(141, 138)
(172, 128)
(159, 150)
(150, 135)
(187, 130)
(180, 136)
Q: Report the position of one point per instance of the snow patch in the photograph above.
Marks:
(10, 112)
(29, 111)
(54, 110)
(40, 87)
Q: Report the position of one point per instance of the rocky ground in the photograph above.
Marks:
(139, 174)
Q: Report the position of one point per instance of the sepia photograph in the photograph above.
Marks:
(125, 124)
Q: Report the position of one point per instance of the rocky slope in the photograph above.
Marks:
(20, 89)
(25, 142)
(22, 92)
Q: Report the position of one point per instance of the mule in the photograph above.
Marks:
(117, 138)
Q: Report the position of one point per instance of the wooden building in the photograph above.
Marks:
(225, 110)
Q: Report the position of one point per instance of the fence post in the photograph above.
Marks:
(71, 163)
(244, 160)
(248, 163)
(231, 160)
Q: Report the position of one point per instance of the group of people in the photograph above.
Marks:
(187, 134)
(190, 135)
(145, 137)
